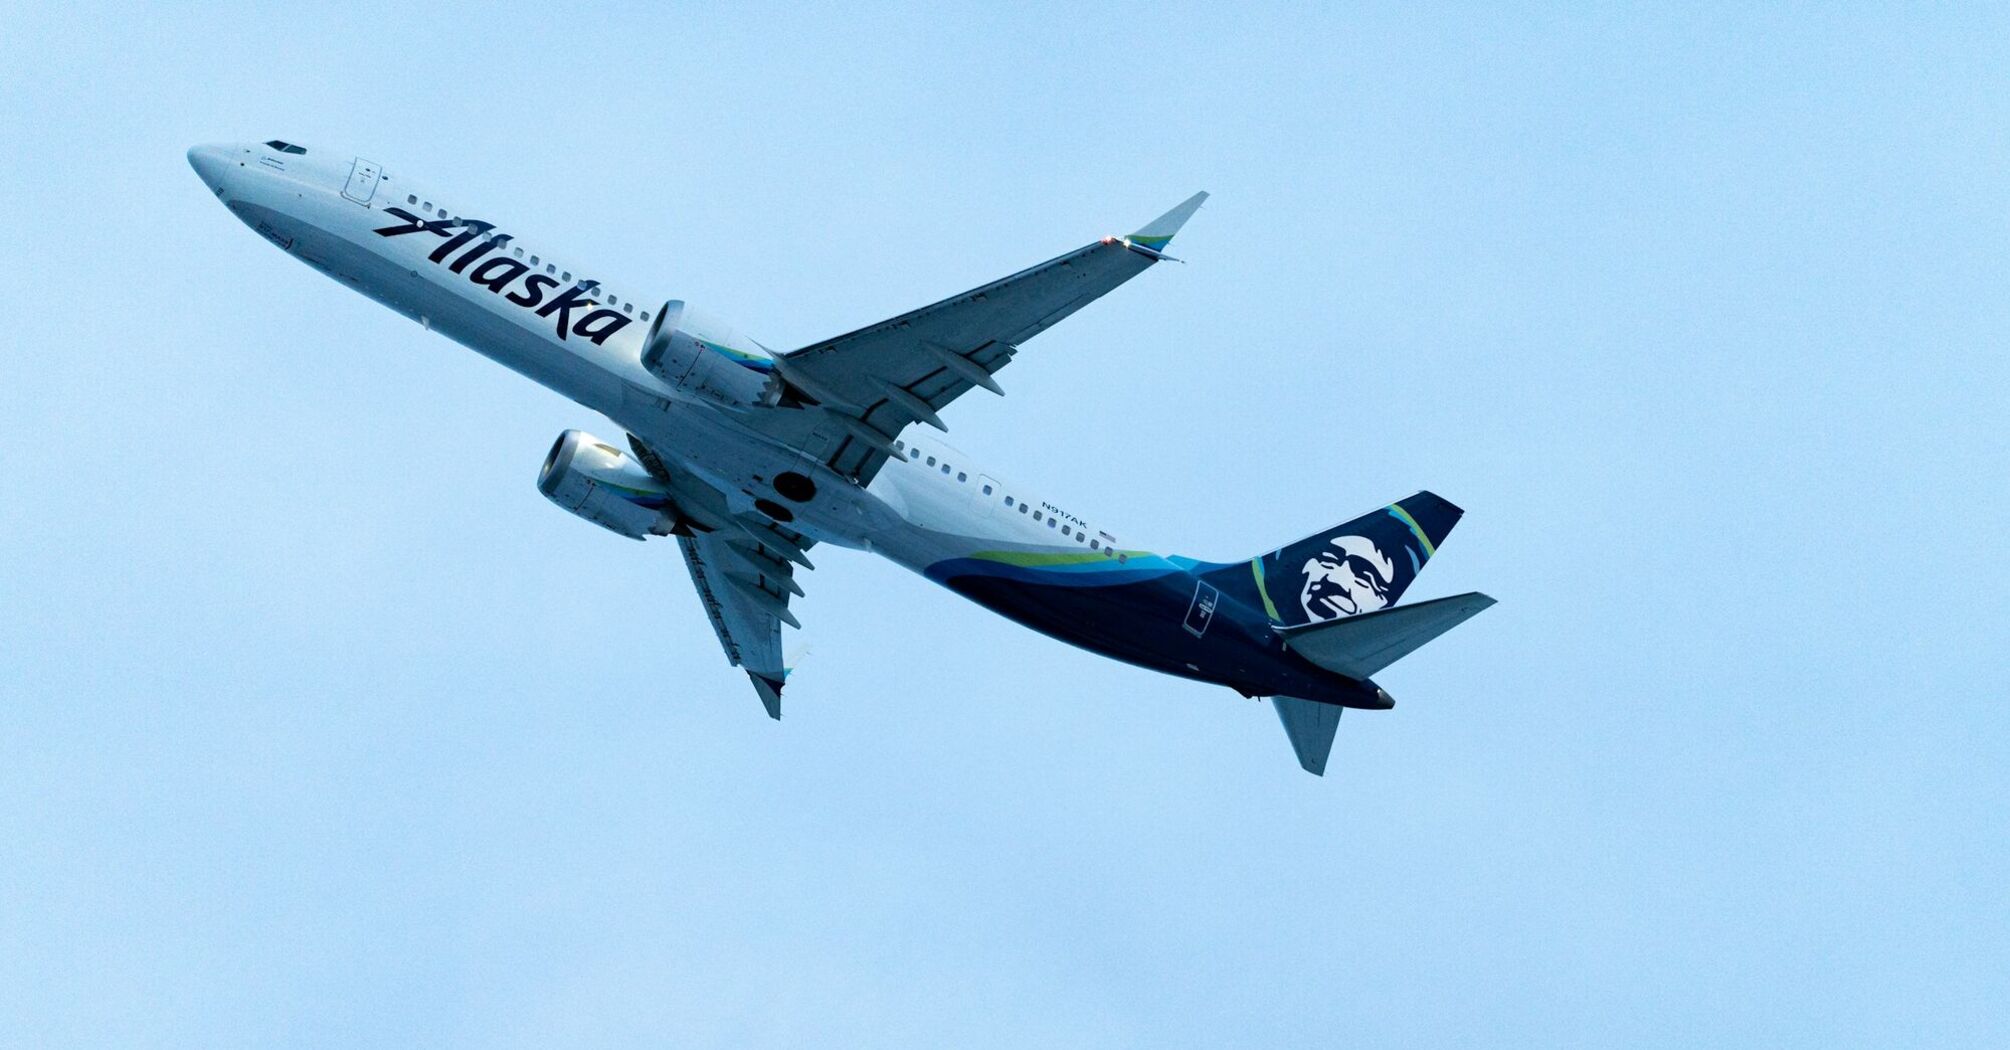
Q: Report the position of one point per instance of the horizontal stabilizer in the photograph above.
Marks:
(1359, 646)
(1310, 725)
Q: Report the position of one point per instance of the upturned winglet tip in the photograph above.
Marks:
(1159, 232)
(770, 691)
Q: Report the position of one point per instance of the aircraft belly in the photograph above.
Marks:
(461, 316)
(745, 467)
(1149, 621)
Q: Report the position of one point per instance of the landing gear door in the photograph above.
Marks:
(363, 179)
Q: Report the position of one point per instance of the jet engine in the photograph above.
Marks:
(606, 486)
(707, 359)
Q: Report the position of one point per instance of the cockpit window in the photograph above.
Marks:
(286, 147)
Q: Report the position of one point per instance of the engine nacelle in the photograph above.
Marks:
(707, 359)
(606, 486)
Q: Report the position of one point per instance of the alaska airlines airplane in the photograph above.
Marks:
(750, 458)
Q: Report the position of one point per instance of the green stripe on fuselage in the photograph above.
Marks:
(1269, 609)
(1055, 559)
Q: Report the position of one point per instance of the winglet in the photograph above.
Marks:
(1158, 233)
(771, 693)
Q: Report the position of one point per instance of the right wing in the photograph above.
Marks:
(871, 383)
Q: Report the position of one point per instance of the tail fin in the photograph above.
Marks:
(1354, 567)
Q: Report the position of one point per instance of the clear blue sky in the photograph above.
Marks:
(322, 728)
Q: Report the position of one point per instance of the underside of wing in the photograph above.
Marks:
(864, 387)
(745, 592)
(744, 569)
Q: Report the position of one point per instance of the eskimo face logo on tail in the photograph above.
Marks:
(1347, 575)
(500, 275)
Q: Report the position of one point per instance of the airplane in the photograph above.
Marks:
(750, 458)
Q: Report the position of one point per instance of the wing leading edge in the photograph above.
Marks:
(868, 385)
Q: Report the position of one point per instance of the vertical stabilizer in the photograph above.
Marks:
(1354, 567)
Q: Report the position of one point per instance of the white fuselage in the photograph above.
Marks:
(329, 212)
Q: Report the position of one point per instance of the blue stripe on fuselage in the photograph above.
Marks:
(1137, 613)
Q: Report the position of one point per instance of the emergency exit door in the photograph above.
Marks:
(363, 180)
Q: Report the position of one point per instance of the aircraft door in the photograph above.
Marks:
(363, 180)
(985, 496)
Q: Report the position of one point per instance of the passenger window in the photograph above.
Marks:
(566, 276)
(987, 490)
(645, 315)
(1065, 532)
(961, 476)
(533, 261)
(443, 213)
(1036, 515)
(429, 206)
(945, 468)
(1022, 508)
(1095, 545)
(1008, 501)
(1051, 522)
(1123, 558)
(931, 461)
(549, 268)
(411, 198)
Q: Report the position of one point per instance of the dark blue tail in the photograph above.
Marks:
(1356, 567)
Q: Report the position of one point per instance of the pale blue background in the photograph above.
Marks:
(321, 727)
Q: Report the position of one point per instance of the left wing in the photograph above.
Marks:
(870, 384)
(744, 569)
(745, 591)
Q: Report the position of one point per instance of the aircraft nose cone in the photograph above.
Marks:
(210, 164)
